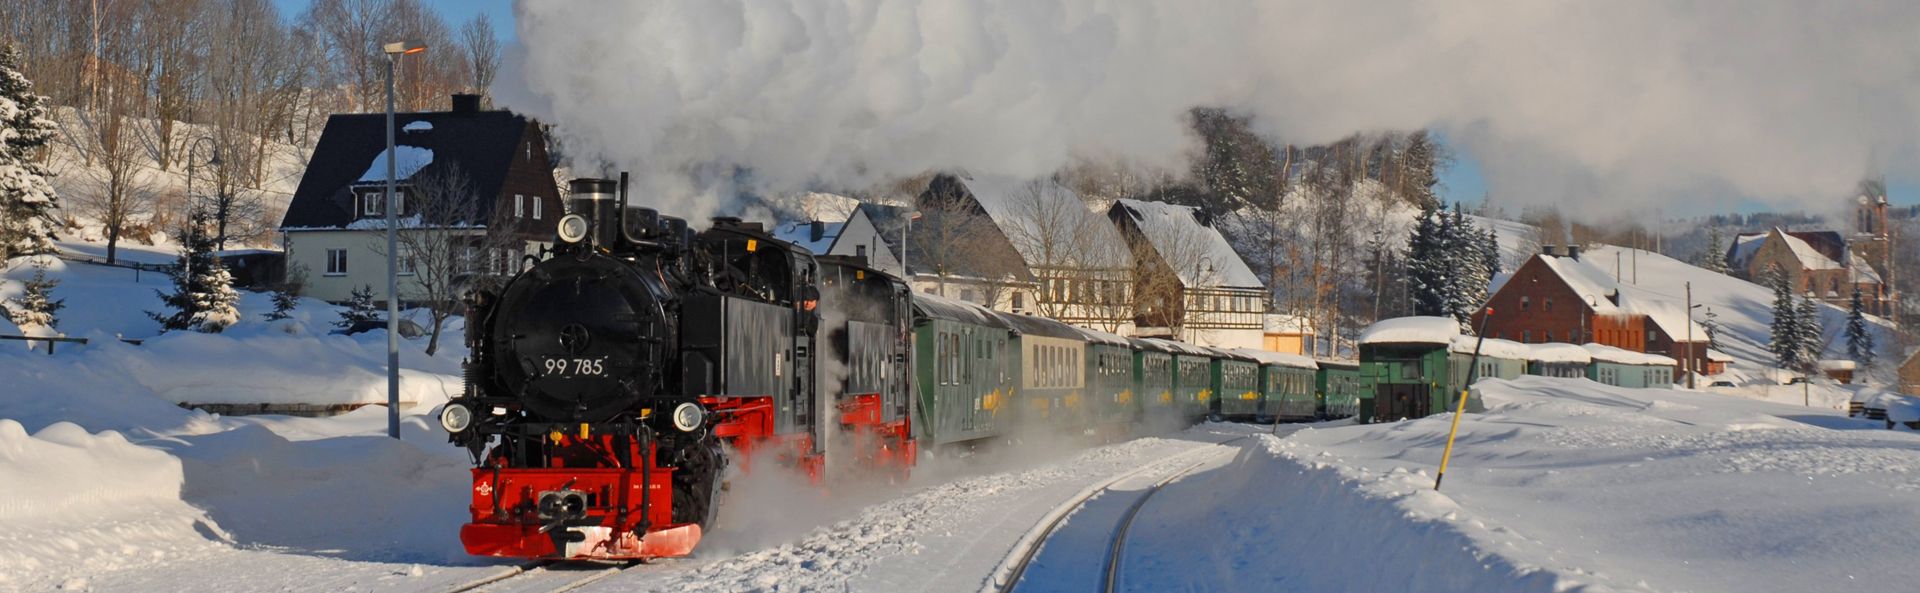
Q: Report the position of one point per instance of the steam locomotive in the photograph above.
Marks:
(610, 385)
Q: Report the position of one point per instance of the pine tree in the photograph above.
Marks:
(1490, 251)
(1426, 274)
(1812, 336)
(203, 299)
(1786, 339)
(359, 308)
(1859, 340)
(1714, 257)
(36, 306)
(1711, 322)
(1465, 260)
(284, 301)
(27, 200)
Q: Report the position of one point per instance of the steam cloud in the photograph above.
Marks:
(1620, 105)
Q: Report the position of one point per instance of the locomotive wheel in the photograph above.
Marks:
(696, 484)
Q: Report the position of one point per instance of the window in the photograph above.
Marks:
(859, 251)
(1017, 305)
(1548, 306)
(966, 294)
(536, 207)
(519, 206)
(1526, 336)
(1548, 337)
(407, 264)
(1524, 301)
(370, 204)
(336, 262)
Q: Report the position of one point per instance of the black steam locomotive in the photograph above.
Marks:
(611, 382)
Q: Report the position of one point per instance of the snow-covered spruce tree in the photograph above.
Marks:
(1812, 335)
(359, 308)
(286, 294)
(1714, 257)
(1859, 339)
(26, 199)
(1784, 340)
(1711, 323)
(36, 307)
(1426, 273)
(1464, 257)
(203, 299)
(1490, 251)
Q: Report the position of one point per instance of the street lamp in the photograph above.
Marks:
(911, 215)
(394, 51)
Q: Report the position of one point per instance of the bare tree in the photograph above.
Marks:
(482, 52)
(118, 193)
(446, 245)
(957, 241)
(1075, 256)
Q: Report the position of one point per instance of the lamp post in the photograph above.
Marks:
(212, 160)
(1690, 343)
(394, 51)
(911, 215)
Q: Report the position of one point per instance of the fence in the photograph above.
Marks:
(51, 340)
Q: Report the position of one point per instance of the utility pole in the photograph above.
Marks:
(1690, 343)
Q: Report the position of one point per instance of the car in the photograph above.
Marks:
(1796, 380)
(1864, 399)
(1895, 408)
(408, 329)
(1720, 383)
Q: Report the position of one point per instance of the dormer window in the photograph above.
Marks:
(370, 203)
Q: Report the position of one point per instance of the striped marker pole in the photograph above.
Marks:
(1473, 366)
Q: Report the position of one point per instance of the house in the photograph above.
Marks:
(1556, 297)
(1027, 246)
(1286, 333)
(493, 163)
(1818, 264)
(1909, 374)
(1189, 283)
(856, 236)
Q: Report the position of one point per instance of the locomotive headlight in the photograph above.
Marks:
(573, 228)
(456, 417)
(688, 416)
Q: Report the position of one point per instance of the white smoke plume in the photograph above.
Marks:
(1621, 105)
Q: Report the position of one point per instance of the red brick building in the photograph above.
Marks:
(1555, 297)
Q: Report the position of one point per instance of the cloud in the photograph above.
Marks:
(1614, 105)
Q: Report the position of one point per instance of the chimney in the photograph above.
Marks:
(465, 103)
(1549, 250)
(816, 230)
(1573, 252)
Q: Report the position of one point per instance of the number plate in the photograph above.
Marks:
(574, 367)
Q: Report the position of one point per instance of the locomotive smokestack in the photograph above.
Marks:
(593, 199)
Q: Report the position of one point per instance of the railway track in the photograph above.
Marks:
(548, 576)
(1007, 577)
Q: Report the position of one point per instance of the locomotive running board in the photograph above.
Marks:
(519, 541)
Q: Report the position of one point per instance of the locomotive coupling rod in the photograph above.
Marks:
(1473, 365)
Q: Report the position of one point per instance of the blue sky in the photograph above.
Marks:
(454, 11)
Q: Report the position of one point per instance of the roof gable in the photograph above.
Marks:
(1197, 252)
(481, 144)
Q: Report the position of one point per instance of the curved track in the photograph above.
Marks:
(547, 576)
(1007, 578)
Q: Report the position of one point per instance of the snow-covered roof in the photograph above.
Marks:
(1809, 257)
(1411, 330)
(1559, 352)
(1101, 337)
(1718, 356)
(418, 126)
(1199, 254)
(1597, 289)
(1490, 347)
(1605, 353)
(1861, 272)
(1179, 347)
(1278, 358)
(1838, 365)
(411, 160)
(1744, 246)
(801, 233)
(1054, 215)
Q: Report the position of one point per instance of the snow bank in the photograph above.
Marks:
(1491, 347)
(75, 502)
(1565, 484)
(1559, 352)
(1605, 353)
(418, 126)
(1278, 358)
(1411, 330)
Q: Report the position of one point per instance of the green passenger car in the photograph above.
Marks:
(1339, 387)
(1110, 387)
(966, 367)
(1192, 379)
(1408, 360)
(1153, 380)
(1286, 385)
(1053, 376)
(1235, 382)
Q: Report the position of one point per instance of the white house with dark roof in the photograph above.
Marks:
(856, 236)
(335, 226)
(1206, 294)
